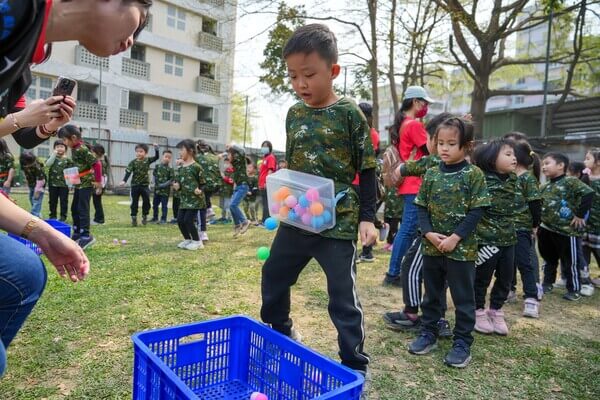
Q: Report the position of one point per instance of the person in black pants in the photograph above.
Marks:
(57, 187)
(267, 167)
(99, 152)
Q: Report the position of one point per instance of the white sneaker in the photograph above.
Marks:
(295, 335)
(561, 283)
(204, 236)
(587, 290)
(531, 308)
(182, 245)
(210, 213)
(194, 245)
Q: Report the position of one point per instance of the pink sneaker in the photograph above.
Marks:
(387, 247)
(498, 322)
(482, 322)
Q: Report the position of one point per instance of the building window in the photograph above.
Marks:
(209, 26)
(43, 150)
(206, 114)
(519, 99)
(138, 52)
(207, 70)
(176, 18)
(171, 111)
(87, 92)
(521, 81)
(40, 88)
(173, 65)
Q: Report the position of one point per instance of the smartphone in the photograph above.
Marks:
(64, 87)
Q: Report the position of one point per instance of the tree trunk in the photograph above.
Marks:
(478, 102)
(392, 39)
(373, 62)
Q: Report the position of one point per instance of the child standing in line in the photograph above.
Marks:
(190, 183)
(90, 173)
(176, 197)
(329, 137)
(252, 200)
(226, 191)
(451, 201)
(209, 162)
(36, 180)
(496, 234)
(100, 154)
(591, 236)
(237, 158)
(140, 181)
(57, 187)
(163, 175)
(565, 202)
(7, 167)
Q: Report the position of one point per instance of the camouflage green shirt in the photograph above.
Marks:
(238, 163)
(56, 176)
(529, 191)
(593, 222)
(227, 189)
(394, 203)
(569, 189)
(210, 166)
(448, 197)
(6, 163)
(190, 177)
(420, 166)
(175, 176)
(83, 159)
(163, 178)
(333, 142)
(139, 169)
(252, 188)
(34, 172)
(497, 227)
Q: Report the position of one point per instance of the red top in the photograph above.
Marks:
(412, 136)
(39, 55)
(269, 164)
(21, 103)
(375, 141)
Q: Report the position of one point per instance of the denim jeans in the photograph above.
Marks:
(236, 199)
(405, 236)
(36, 204)
(22, 281)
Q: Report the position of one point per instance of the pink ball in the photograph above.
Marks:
(291, 201)
(258, 396)
(123, 241)
(275, 208)
(306, 218)
(312, 194)
(299, 210)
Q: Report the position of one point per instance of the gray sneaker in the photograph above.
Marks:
(531, 308)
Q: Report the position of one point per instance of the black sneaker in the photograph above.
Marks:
(444, 330)
(173, 221)
(423, 344)
(391, 280)
(154, 220)
(86, 241)
(459, 355)
(133, 221)
(368, 257)
(144, 220)
(399, 321)
(547, 288)
(75, 236)
(572, 296)
(162, 222)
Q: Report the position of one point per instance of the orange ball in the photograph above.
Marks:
(283, 211)
(316, 208)
(284, 192)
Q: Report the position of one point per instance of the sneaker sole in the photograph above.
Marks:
(483, 332)
(461, 365)
(367, 260)
(89, 244)
(399, 327)
(426, 350)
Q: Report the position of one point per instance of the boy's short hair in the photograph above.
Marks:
(58, 142)
(559, 158)
(142, 146)
(167, 152)
(313, 37)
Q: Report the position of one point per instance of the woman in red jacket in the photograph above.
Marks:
(267, 167)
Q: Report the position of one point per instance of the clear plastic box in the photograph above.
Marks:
(72, 176)
(302, 200)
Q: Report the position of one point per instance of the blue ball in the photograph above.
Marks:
(271, 223)
(326, 216)
(317, 222)
(292, 215)
(303, 201)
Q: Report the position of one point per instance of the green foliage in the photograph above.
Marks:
(587, 74)
(288, 20)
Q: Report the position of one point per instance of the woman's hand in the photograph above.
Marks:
(40, 112)
(67, 107)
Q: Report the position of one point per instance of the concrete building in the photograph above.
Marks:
(176, 82)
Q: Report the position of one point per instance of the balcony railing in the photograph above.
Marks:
(206, 130)
(85, 58)
(208, 86)
(217, 3)
(210, 42)
(135, 68)
(90, 112)
(133, 119)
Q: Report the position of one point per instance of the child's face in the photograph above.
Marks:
(282, 165)
(60, 150)
(166, 158)
(506, 161)
(312, 78)
(184, 154)
(250, 169)
(589, 161)
(431, 147)
(552, 169)
(140, 153)
(70, 142)
(448, 146)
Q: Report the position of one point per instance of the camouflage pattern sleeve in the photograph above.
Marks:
(6, 163)
(593, 222)
(478, 196)
(363, 153)
(420, 166)
(422, 198)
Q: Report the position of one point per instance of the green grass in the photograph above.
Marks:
(76, 344)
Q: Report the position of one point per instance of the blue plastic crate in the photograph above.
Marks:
(58, 225)
(228, 359)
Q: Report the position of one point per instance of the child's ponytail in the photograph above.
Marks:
(528, 158)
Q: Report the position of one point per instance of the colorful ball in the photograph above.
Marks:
(316, 208)
(317, 222)
(283, 193)
(312, 194)
(283, 212)
(292, 216)
(275, 208)
(326, 216)
(299, 210)
(303, 201)
(116, 241)
(271, 223)
(263, 253)
(258, 396)
(291, 201)
(306, 218)
(123, 241)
